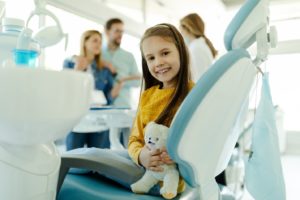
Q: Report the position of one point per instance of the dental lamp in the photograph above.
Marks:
(47, 35)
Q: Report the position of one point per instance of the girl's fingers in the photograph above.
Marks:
(165, 156)
(159, 157)
(166, 159)
(156, 169)
(163, 149)
(168, 162)
(155, 158)
(155, 152)
(155, 161)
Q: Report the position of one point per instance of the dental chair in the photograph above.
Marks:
(204, 131)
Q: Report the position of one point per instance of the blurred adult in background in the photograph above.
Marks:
(202, 51)
(123, 61)
(89, 60)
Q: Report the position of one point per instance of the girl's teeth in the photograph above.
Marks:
(163, 71)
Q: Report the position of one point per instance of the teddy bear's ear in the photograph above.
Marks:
(151, 123)
(164, 131)
(149, 127)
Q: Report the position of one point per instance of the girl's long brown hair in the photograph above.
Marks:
(171, 34)
(84, 37)
(194, 24)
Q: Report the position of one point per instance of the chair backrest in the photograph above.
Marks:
(201, 136)
(204, 130)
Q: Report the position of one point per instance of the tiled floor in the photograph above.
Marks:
(291, 172)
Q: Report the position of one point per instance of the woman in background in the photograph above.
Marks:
(202, 51)
(90, 61)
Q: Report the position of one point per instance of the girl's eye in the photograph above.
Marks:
(150, 58)
(165, 53)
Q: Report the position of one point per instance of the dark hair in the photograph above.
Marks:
(194, 24)
(112, 21)
(170, 33)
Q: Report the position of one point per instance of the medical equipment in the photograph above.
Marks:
(37, 106)
(9, 37)
(47, 35)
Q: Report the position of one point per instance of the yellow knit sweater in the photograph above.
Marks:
(152, 103)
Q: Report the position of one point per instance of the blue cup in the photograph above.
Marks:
(26, 58)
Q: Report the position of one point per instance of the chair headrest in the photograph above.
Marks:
(241, 31)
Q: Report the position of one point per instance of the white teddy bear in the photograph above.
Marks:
(155, 138)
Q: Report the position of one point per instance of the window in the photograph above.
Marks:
(284, 83)
(19, 9)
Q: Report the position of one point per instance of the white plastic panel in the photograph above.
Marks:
(255, 21)
(203, 145)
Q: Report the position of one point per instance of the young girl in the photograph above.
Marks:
(90, 61)
(166, 79)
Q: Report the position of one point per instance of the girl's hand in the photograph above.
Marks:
(151, 159)
(165, 158)
(81, 63)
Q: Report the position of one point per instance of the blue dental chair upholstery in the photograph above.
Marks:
(202, 134)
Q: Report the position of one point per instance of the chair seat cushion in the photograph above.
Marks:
(91, 187)
(97, 187)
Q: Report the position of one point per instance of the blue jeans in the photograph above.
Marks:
(78, 140)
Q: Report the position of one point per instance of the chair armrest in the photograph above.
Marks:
(106, 162)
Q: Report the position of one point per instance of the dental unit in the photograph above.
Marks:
(37, 107)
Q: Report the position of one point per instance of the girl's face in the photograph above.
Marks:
(93, 44)
(162, 58)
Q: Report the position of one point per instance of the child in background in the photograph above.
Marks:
(166, 79)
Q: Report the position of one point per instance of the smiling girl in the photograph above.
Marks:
(167, 81)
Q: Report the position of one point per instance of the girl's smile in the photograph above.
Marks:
(164, 70)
